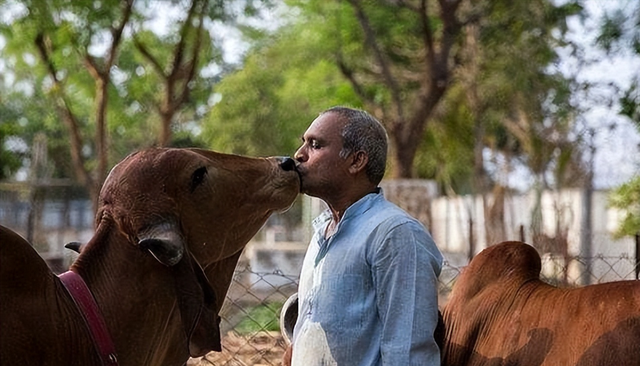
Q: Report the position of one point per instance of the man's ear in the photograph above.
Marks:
(359, 161)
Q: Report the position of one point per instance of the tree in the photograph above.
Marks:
(177, 71)
(99, 66)
(620, 34)
(399, 58)
(61, 35)
(100, 70)
(264, 107)
(627, 199)
(522, 109)
(10, 159)
(391, 76)
(501, 97)
(514, 103)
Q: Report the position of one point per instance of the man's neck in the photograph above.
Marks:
(339, 208)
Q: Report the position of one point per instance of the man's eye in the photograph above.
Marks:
(314, 144)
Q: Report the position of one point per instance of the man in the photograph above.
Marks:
(368, 285)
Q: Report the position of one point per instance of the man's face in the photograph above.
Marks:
(322, 171)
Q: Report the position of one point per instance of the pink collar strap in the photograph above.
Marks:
(93, 319)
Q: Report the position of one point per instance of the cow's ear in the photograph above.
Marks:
(205, 336)
(164, 242)
(197, 303)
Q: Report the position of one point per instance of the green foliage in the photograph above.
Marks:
(260, 318)
(73, 33)
(627, 199)
(619, 30)
(23, 114)
(630, 103)
(506, 101)
(446, 154)
(264, 108)
(66, 30)
(620, 34)
(10, 159)
(294, 73)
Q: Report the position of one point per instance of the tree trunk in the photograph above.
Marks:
(101, 76)
(402, 157)
(166, 116)
(406, 115)
(101, 101)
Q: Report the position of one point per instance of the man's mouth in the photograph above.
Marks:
(300, 174)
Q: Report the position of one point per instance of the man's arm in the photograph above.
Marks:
(406, 268)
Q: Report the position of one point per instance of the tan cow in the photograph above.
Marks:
(165, 217)
(501, 313)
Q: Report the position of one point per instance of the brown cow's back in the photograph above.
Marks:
(29, 289)
(500, 314)
(20, 264)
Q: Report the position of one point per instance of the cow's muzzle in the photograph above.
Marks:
(287, 164)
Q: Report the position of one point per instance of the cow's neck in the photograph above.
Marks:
(220, 275)
(238, 231)
(137, 298)
(235, 233)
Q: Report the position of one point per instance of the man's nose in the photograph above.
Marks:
(299, 155)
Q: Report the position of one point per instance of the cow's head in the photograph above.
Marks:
(194, 211)
(174, 200)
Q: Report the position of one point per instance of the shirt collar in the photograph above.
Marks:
(359, 207)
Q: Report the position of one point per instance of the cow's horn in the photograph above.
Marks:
(74, 245)
(164, 242)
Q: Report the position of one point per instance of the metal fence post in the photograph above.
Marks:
(472, 247)
(637, 256)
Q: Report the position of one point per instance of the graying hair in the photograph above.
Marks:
(363, 132)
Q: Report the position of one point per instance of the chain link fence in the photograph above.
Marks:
(53, 215)
(250, 315)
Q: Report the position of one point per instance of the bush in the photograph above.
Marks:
(264, 317)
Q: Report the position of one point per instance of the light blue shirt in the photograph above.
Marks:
(368, 294)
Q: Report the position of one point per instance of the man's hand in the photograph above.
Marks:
(286, 358)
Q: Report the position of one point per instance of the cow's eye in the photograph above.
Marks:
(197, 178)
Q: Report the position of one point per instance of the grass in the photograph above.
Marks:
(262, 317)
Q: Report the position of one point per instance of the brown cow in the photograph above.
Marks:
(501, 313)
(165, 216)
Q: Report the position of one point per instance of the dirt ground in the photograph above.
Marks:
(260, 349)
